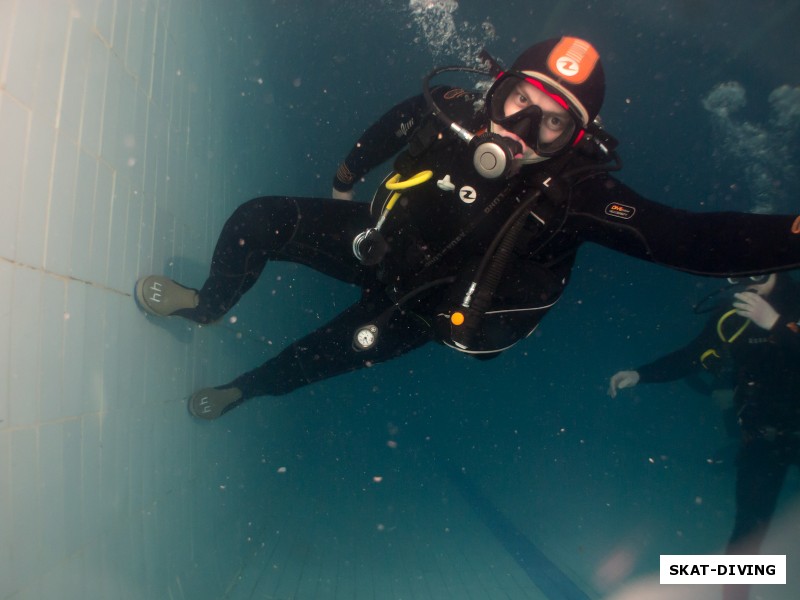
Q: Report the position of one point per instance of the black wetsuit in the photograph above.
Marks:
(440, 230)
(767, 399)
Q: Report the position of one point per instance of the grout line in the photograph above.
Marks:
(16, 263)
(222, 324)
(63, 74)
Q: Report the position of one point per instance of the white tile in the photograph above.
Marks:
(94, 349)
(131, 374)
(52, 311)
(6, 510)
(32, 221)
(51, 491)
(25, 347)
(109, 149)
(53, 582)
(91, 448)
(6, 286)
(159, 62)
(25, 502)
(163, 241)
(116, 352)
(83, 218)
(118, 236)
(146, 237)
(155, 150)
(120, 486)
(94, 96)
(73, 86)
(105, 18)
(14, 130)
(122, 19)
(54, 21)
(74, 582)
(119, 117)
(74, 361)
(133, 239)
(73, 485)
(61, 208)
(110, 444)
(23, 46)
(135, 142)
(31, 592)
(101, 224)
(137, 42)
(85, 10)
(7, 16)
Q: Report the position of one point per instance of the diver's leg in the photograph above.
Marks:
(316, 232)
(760, 473)
(325, 353)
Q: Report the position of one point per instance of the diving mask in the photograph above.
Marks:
(546, 132)
(748, 280)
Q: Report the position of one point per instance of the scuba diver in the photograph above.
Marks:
(759, 336)
(473, 236)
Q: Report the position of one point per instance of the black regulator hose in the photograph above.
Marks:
(463, 133)
(518, 216)
(488, 275)
(484, 292)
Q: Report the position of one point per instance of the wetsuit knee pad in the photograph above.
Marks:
(272, 216)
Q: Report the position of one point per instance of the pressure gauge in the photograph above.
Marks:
(365, 337)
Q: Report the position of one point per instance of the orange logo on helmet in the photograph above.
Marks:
(796, 226)
(573, 59)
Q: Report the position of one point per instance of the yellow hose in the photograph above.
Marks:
(395, 184)
(737, 333)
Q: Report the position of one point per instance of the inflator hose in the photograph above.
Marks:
(489, 273)
(494, 272)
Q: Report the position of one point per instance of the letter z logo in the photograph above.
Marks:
(467, 194)
(567, 66)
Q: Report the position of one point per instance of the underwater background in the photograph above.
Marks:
(131, 129)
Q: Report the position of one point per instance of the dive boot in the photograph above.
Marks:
(161, 297)
(211, 403)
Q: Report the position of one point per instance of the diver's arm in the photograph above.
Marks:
(683, 361)
(380, 142)
(678, 364)
(721, 244)
(670, 367)
(673, 366)
(786, 333)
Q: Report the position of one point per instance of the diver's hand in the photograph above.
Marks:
(620, 380)
(754, 307)
(336, 194)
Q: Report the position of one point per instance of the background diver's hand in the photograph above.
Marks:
(620, 380)
(754, 307)
(336, 194)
